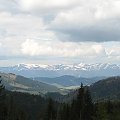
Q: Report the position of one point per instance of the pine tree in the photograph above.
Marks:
(89, 107)
(80, 102)
(83, 106)
(50, 113)
(66, 112)
(109, 107)
(2, 88)
(73, 109)
(3, 109)
(59, 112)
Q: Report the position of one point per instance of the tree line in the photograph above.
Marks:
(19, 106)
(83, 108)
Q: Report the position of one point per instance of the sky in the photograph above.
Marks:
(59, 31)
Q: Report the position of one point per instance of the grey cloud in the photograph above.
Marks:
(3, 33)
(96, 33)
(9, 5)
(88, 35)
(8, 57)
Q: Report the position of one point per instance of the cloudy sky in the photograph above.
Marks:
(59, 31)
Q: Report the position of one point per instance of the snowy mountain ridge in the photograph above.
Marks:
(78, 70)
(81, 66)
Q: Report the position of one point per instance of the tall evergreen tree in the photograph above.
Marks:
(89, 107)
(3, 109)
(82, 108)
(50, 113)
(66, 112)
(2, 88)
(80, 102)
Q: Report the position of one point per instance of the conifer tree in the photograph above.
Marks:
(50, 113)
(89, 107)
(83, 106)
(80, 102)
(3, 109)
(2, 88)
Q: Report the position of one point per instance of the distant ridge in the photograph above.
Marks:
(77, 70)
(68, 80)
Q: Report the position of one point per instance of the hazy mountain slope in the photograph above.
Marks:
(22, 84)
(68, 80)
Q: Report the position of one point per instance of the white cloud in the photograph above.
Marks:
(21, 25)
(16, 28)
(114, 51)
(29, 5)
(40, 27)
(100, 9)
(98, 49)
(67, 49)
(8, 5)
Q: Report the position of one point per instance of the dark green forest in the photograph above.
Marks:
(23, 106)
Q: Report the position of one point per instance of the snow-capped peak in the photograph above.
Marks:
(80, 66)
(30, 66)
(81, 69)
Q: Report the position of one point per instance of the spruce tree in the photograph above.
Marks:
(80, 102)
(2, 88)
(3, 109)
(83, 104)
(50, 113)
(89, 107)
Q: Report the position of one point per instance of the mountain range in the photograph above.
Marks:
(77, 70)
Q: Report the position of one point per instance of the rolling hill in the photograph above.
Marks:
(106, 89)
(18, 83)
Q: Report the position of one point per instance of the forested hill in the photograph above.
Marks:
(18, 83)
(106, 89)
(23, 106)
